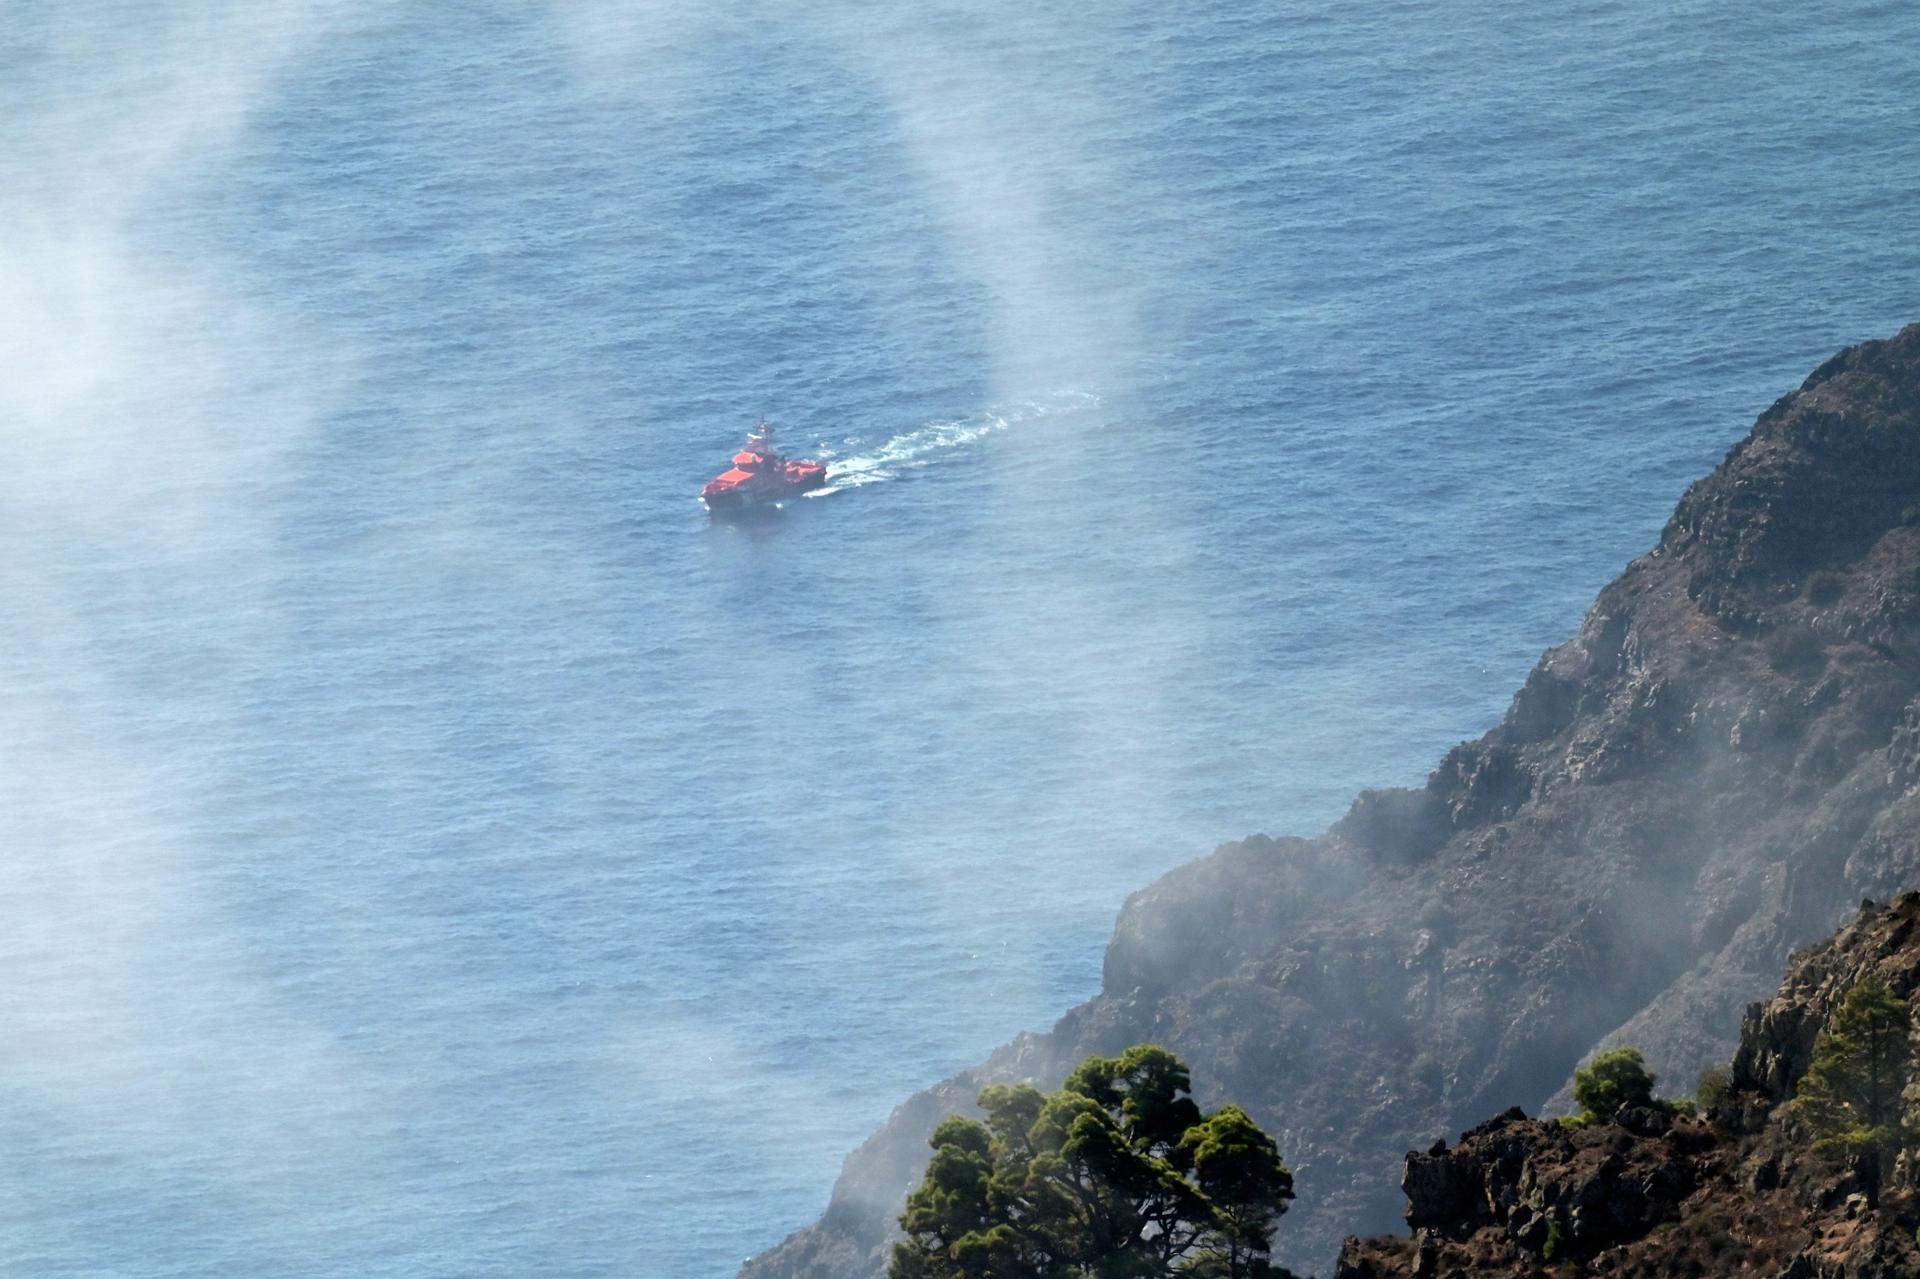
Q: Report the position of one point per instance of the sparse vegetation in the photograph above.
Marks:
(1715, 1089)
(1795, 650)
(1118, 1173)
(1825, 587)
(1555, 1242)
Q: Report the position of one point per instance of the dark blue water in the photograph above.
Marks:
(434, 849)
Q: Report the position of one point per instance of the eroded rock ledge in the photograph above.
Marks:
(1735, 1192)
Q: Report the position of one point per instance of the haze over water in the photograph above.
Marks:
(434, 849)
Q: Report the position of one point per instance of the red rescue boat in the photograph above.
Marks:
(760, 476)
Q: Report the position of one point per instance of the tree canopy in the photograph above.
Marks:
(1862, 1063)
(1611, 1082)
(1118, 1175)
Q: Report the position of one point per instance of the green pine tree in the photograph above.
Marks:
(1851, 1093)
(1118, 1175)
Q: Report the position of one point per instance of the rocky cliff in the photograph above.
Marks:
(1711, 772)
(1735, 1191)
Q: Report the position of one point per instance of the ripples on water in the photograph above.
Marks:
(436, 850)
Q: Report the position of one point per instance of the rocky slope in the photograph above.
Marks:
(1733, 1192)
(1710, 773)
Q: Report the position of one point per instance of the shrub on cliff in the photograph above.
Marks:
(1715, 1091)
(1611, 1082)
(1118, 1173)
(1826, 587)
(1795, 650)
(1851, 1093)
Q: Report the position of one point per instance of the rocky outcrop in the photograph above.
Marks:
(1776, 1042)
(1711, 772)
(1734, 1192)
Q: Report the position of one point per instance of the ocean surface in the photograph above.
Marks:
(433, 848)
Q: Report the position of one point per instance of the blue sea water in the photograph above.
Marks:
(433, 848)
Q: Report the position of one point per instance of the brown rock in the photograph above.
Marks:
(1655, 1194)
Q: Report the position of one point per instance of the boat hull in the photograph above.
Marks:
(741, 498)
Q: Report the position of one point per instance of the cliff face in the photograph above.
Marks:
(1710, 773)
(1734, 1192)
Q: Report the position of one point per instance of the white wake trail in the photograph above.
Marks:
(925, 445)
